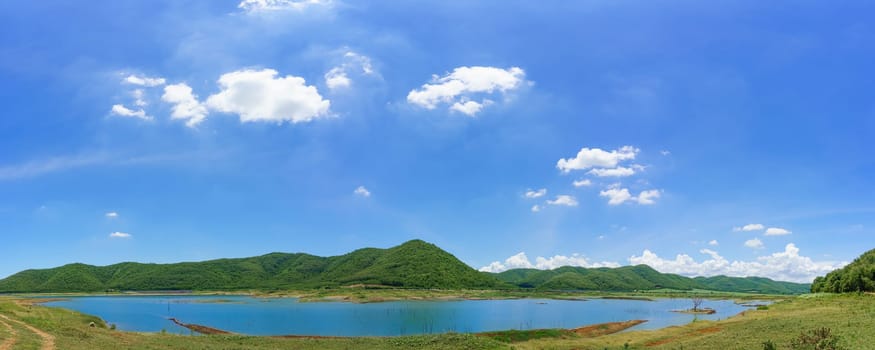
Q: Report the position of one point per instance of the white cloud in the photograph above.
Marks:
(536, 208)
(470, 108)
(144, 81)
(582, 183)
(353, 63)
(614, 172)
(563, 199)
(783, 266)
(536, 194)
(755, 243)
(123, 111)
(336, 78)
(261, 96)
(362, 191)
(186, 106)
(276, 5)
(647, 197)
(749, 227)
(713, 242)
(521, 261)
(777, 231)
(362, 61)
(139, 97)
(665, 152)
(119, 235)
(458, 88)
(596, 157)
(112, 214)
(616, 196)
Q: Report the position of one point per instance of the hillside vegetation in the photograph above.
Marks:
(858, 276)
(640, 277)
(414, 264)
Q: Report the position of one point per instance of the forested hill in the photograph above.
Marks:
(858, 276)
(414, 264)
(640, 277)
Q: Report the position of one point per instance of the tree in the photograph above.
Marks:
(697, 302)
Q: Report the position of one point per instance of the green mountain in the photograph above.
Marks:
(640, 277)
(414, 264)
(858, 276)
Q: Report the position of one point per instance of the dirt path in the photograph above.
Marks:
(48, 339)
(13, 337)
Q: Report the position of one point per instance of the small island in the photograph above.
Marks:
(697, 308)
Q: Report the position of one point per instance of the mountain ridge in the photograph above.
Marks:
(414, 264)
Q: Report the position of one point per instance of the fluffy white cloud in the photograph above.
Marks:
(259, 95)
(112, 214)
(536, 208)
(362, 191)
(648, 197)
(582, 183)
(563, 199)
(749, 227)
(185, 104)
(777, 231)
(336, 78)
(612, 172)
(616, 196)
(536, 194)
(119, 235)
(713, 242)
(521, 261)
(275, 5)
(458, 88)
(470, 108)
(123, 111)
(755, 243)
(597, 158)
(144, 81)
(783, 266)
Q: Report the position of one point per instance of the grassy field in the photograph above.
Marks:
(850, 317)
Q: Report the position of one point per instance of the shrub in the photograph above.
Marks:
(816, 339)
(768, 345)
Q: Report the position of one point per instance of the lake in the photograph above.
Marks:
(284, 316)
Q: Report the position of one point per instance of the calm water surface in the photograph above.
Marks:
(281, 316)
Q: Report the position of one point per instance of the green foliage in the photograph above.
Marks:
(414, 264)
(769, 345)
(817, 339)
(858, 276)
(638, 278)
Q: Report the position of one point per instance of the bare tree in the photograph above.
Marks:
(697, 302)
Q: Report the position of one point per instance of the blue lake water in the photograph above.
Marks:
(283, 316)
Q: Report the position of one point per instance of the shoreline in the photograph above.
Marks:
(361, 296)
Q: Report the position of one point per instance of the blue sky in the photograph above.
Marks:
(702, 138)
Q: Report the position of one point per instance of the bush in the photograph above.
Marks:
(768, 345)
(817, 339)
